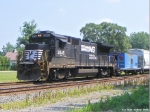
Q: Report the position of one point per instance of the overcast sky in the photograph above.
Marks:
(67, 17)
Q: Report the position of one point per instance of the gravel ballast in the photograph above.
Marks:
(70, 103)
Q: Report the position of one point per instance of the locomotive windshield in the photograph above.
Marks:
(39, 40)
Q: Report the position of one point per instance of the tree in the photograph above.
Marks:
(108, 33)
(1, 53)
(9, 47)
(139, 40)
(90, 32)
(28, 29)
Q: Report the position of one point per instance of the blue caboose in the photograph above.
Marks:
(125, 62)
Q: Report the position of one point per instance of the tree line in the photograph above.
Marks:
(111, 33)
(108, 33)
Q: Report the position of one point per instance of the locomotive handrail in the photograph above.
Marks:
(49, 56)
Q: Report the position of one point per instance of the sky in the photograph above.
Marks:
(67, 17)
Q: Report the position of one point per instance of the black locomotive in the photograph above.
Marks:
(53, 56)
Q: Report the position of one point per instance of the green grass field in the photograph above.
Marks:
(8, 76)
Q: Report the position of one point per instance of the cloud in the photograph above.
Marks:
(62, 10)
(114, 1)
(104, 20)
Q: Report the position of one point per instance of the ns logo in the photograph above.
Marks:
(88, 48)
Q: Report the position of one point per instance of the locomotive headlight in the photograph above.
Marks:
(20, 59)
(35, 59)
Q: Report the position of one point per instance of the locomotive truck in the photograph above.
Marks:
(53, 56)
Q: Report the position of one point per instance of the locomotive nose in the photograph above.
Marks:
(25, 72)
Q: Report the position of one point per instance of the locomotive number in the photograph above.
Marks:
(61, 53)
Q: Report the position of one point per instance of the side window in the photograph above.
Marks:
(121, 58)
(60, 44)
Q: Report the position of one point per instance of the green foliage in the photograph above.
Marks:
(1, 53)
(108, 33)
(4, 63)
(28, 29)
(9, 47)
(139, 40)
(137, 99)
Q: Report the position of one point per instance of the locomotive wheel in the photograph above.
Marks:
(62, 74)
(66, 76)
(105, 72)
(99, 74)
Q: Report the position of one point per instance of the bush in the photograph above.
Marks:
(4, 63)
(137, 99)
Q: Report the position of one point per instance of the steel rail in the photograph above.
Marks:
(44, 86)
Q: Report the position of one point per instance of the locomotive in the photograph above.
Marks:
(53, 56)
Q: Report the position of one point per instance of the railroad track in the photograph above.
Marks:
(26, 87)
(25, 83)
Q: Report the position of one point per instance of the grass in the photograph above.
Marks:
(8, 76)
(137, 99)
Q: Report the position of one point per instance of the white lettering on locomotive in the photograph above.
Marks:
(31, 54)
(61, 53)
(88, 48)
(91, 56)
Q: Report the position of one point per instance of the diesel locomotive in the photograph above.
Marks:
(53, 56)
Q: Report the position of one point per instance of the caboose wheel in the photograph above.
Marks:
(135, 72)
